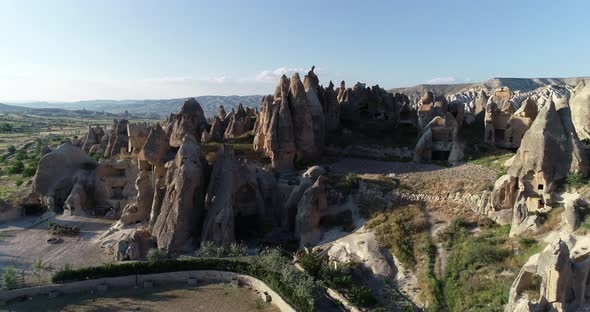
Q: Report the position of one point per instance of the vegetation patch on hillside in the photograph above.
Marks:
(405, 230)
(482, 265)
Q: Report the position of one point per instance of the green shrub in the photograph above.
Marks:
(19, 182)
(29, 171)
(351, 181)
(9, 278)
(575, 180)
(155, 255)
(11, 149)
(20, 155)
(16, 168)
(237, 250)
(312, 263)
(37, 268)
(206, 250)
(362, 296)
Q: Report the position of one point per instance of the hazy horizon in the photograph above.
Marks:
(67, 51)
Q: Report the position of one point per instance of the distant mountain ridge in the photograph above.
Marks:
(211, 103)
(164, 107)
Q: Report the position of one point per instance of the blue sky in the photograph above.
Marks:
(107, 49)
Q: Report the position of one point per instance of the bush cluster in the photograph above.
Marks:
(339, 278)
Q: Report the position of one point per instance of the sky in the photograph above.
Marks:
(112, 49)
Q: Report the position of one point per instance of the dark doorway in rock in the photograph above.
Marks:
(499, 135)
(441, 155)
(247, 227)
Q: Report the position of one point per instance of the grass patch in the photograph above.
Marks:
(405, 230)
(482, 266)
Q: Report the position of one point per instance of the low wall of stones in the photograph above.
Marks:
(479, 203)
(148, 280)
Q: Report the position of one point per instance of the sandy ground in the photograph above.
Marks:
(175, 297)
(23, 240)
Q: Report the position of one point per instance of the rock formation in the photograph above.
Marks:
(93, 137)
(118, 138)
(303, 122)
(440, 141)
(177, 224)
(239, 123)
(580, 106)
(57, 173)
(503, 126)
(313, 91)
(219, 201)
(558, 274)
(331, 108)
(137, 135)
(549, 152)
(309, 208)
(190, 120)
(273, 134)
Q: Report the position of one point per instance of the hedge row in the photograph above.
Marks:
(163, 266)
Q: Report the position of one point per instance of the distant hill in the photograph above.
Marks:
(521, 84)
(11, 108)
(210, 104)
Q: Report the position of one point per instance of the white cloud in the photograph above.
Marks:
(442, 80)
(274, 75)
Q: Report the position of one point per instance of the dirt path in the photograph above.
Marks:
(23, 240)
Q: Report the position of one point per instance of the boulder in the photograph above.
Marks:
(177, 223)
